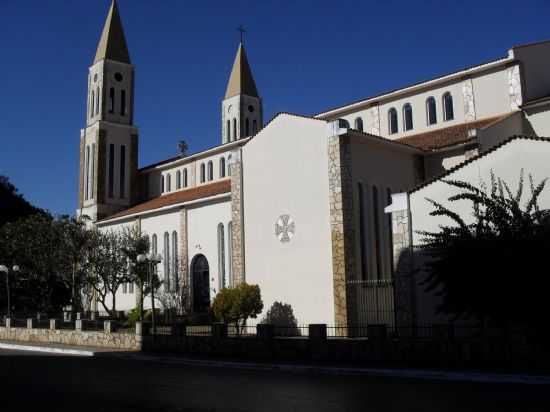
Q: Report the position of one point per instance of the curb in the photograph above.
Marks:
(477, 377)
(46, 349)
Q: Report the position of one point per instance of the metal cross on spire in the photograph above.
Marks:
(242, 30)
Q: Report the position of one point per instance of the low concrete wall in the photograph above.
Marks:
(129, 341)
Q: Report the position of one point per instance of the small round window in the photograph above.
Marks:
(250, 108)
(118, 77)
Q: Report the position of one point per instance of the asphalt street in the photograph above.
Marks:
(36, 381)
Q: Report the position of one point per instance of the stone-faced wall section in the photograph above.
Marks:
(468, 98)
(341, 215)
(237, 237)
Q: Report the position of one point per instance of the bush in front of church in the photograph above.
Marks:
(236, 305)
(282, 317)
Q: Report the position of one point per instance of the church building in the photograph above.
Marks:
(320, 211)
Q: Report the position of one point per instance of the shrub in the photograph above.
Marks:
(282, 316)
(236, 305)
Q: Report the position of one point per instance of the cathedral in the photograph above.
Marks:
(321, 211)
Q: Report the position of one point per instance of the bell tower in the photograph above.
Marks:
(109, 143)
(242, 111)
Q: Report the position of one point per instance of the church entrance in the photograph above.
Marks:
(200, 272)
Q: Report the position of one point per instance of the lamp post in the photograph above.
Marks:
(5, 269)
(152, 261)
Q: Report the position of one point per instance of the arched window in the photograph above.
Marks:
(168, 182)
(254, 126)
(161, 183)
(122, 174)
(247, 127)
(228, 131)
(167, 262)
(407, 117)
(97, 101)
(221, 257)
(154, 248)
(431, 113)
(230, 253)
(222, 167)
(185, 177)
(92, 171)
(175, 263)
(111, 100)
(448, 110)
(392, 121)
(203, 173)
(123, 102)
(210, 171)
(92, 103)
(87, 173)
(234, 129)
(359, 124)
(178, 180)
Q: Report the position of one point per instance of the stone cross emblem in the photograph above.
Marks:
(284, 228)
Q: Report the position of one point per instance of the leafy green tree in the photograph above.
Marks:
(13, 205)
(494, 267)
(281, 315)
(236, 305)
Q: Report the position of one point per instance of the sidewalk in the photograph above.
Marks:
(331, 369)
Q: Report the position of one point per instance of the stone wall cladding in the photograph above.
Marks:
(374, 113)
(237, 246)
(184, 251)
(129, 341)
(341, 214)
(468, 98)
(514, 87)
(403, 269)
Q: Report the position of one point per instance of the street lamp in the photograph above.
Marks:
(5, 269)
(152, 260)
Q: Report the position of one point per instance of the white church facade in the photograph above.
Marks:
(319, 211)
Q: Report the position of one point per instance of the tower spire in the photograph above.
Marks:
(241, 80)
(112, 44)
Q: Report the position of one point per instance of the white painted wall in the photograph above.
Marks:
(286, 172)
(535, 59)
(539, 120)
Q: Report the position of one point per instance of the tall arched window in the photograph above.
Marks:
(178, 180)
(229, 165)
(123, 102)
(359, 124)
(392, 121)
(254, 126)
(161, 183)
(234, 129)
(221, 257)
(230, 253)
(167, 262)
(168, 182)
(431, 113)
(247, 127)
(185, 177)
(92, 171)
(210, 170)
(97, 101)
(228, 130)
(92, 104)
(175, 263)
(203, 173)
(448, 110)
(407, 117)
(222, 167)
(154, 248)
(112, 100)
(87, 173)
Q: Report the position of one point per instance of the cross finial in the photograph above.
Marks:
(242, 30)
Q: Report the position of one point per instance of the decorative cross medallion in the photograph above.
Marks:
(284, 228)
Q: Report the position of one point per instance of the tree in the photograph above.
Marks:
(108, 267)
(183, 148)
(281, 315)
(493, 267)
(13, 205)
(236, 305)
(176, 300)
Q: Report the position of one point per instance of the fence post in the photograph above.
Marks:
(53, 324)
(265, 331)
(318, 332)
(8, 323)
(78, 325)
(219, 330)
(30, 323)
(107, 327)
(139, 328)
(93, 315)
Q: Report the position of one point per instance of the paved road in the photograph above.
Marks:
(31, 381)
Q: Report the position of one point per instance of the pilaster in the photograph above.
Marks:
(184, 252)
(237, 235)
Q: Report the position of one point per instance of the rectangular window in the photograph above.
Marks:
(124, 288)
(122, 170)
(111, 100)
(111, 169)
(123, 102)
(130, 287)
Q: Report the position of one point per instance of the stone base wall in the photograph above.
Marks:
(129, 341)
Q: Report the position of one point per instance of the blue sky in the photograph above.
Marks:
(306, 56)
